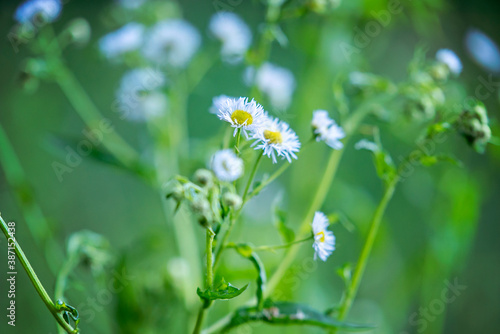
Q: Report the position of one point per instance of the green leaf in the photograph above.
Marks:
(431, 160)
(286, 233)
(223, 291)
(246, 251)
(286, 313)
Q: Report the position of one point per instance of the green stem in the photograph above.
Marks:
(237, 145)
(271, 248)
(266, 182)
(367, 248)
(34, 279)
(251, 177)
(210, 280)
(350, 126)
(16, 177)
(209, 246)
(89, 113)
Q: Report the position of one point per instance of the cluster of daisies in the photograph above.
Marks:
(276, 139)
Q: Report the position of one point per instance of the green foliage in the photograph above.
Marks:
(223, 291)
(285, 313)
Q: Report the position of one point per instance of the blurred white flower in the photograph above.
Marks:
(234, 34)
(227, 166)
(275, 137)
(365, 144)
(131, 4)
(321, 121)
(325, 129)
(241, 114)
(126, 39)
(484, 51)
(277, 83)
(49, 10)
(172, 42)
(450, 59)
(218, 102)
(324, 240)
(139, 97)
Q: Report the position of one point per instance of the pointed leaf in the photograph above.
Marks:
(223, 291)
(286, 313)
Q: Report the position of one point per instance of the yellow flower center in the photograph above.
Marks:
(274, 137)
(321, 236)
(241, 116)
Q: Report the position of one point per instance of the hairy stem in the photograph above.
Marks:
(34, 279)
(209, 282)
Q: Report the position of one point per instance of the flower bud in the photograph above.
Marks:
(78, 31)
(175, 190)
(204, 177)
(232, 200)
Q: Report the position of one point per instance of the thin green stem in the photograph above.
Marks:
(251, 177)
(272, 248)
(209, 246)
(35, 219)
(237, 145)
(84, 106)
(350, 126)
(209, 240)
(267, 181)
(367, 248)
(34, 279)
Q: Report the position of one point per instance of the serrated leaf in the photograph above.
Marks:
(286, 313)
(223, 291)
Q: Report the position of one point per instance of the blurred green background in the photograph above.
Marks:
(442, 224)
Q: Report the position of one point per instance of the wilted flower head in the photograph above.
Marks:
(138, 95)
(240, 113)
(46, 10)
(484, 51)
(172, 43)
(275, 137)
(277, 83)
(325, 129)
(227, 166)
(450, 59)
(234, 34)
(473, 125)
(126, 39)
(324, 240)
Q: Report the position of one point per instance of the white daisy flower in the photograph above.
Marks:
(277, 83)
(218, 102)
(325, 129)
(241, 114)
(126, 39)
(28, 11)
(324, 240)
(234, 34)
(227, 166)
(275, 137)
(139, 97)
(450, 59)
(172, 42)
